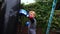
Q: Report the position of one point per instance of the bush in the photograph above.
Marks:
(43, 10)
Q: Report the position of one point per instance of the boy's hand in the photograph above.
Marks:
(27, 23)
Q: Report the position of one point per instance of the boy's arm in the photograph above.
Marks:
(33, 20)
(33, 23)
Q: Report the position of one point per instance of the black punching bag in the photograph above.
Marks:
(1, 17)
(10, 16)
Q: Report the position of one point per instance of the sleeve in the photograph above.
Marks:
(33, 24)
(34, 21)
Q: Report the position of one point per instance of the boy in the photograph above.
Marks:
(32, 26)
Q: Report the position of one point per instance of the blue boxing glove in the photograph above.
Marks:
(27, 23)
(23, 12)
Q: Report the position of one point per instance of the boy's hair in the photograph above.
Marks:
(33, 12)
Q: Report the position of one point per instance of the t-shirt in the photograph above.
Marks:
(33, 23)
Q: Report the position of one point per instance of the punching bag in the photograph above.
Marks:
(10, 16)
(1, 17)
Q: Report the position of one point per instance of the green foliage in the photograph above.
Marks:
(23, 20)
(56, 21)
(43, 10)
(43, 0)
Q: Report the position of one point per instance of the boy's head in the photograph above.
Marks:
(32, 14)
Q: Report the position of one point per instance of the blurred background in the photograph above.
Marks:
(43, 10)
